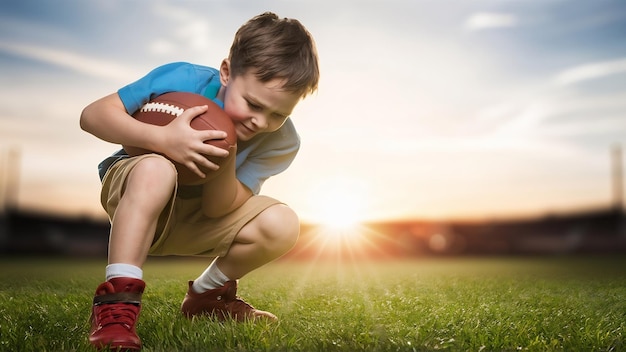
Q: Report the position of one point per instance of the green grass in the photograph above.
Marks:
(468, 304)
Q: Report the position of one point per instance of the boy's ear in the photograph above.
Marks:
(225, 72)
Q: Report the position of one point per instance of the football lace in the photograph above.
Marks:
(162, 108)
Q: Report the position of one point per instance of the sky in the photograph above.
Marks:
(426, 109)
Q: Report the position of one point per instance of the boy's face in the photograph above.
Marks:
(255, 107)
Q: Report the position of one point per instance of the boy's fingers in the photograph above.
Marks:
(209, 148)
(213, 134)
(216, 151)
(201, 164)
(191, 113)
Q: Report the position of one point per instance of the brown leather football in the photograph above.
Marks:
(166, 107)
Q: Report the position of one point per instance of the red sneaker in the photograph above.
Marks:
(116, 307)
(222, 303)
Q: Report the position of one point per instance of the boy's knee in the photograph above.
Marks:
(279, 225)
(153, 172)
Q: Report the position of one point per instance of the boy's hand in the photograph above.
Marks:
(185, 145)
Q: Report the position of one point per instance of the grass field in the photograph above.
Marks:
(467, 304)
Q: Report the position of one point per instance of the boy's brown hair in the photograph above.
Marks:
(276, 48)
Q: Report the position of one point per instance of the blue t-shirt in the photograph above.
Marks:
(263, 156)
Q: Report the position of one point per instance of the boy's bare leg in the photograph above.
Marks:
(148, 189)
(268, 236)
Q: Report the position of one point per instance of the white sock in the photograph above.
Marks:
(211, 278)
(123, 270)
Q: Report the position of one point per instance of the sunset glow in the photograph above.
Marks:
(338, 203)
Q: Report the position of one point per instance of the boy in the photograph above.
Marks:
(271, 66)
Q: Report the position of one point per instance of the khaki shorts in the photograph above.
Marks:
(182, 229)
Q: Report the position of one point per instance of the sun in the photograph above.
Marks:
(341, 214)
(339, 203)
(338, 220)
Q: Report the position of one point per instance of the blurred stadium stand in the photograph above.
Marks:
(600, 231)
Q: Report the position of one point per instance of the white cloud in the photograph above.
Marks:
(487, 20)
(191, 31)
(162, 46)
(69, 60)
(590, 71)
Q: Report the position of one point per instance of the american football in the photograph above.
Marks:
(166, 107)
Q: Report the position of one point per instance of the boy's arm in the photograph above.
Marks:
(108, 120)
(224, 193)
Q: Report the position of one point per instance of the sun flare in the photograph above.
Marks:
(341, 215)
(339, 204)
(339, 226)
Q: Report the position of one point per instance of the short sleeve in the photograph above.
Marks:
(270, 157)
(173, 77)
